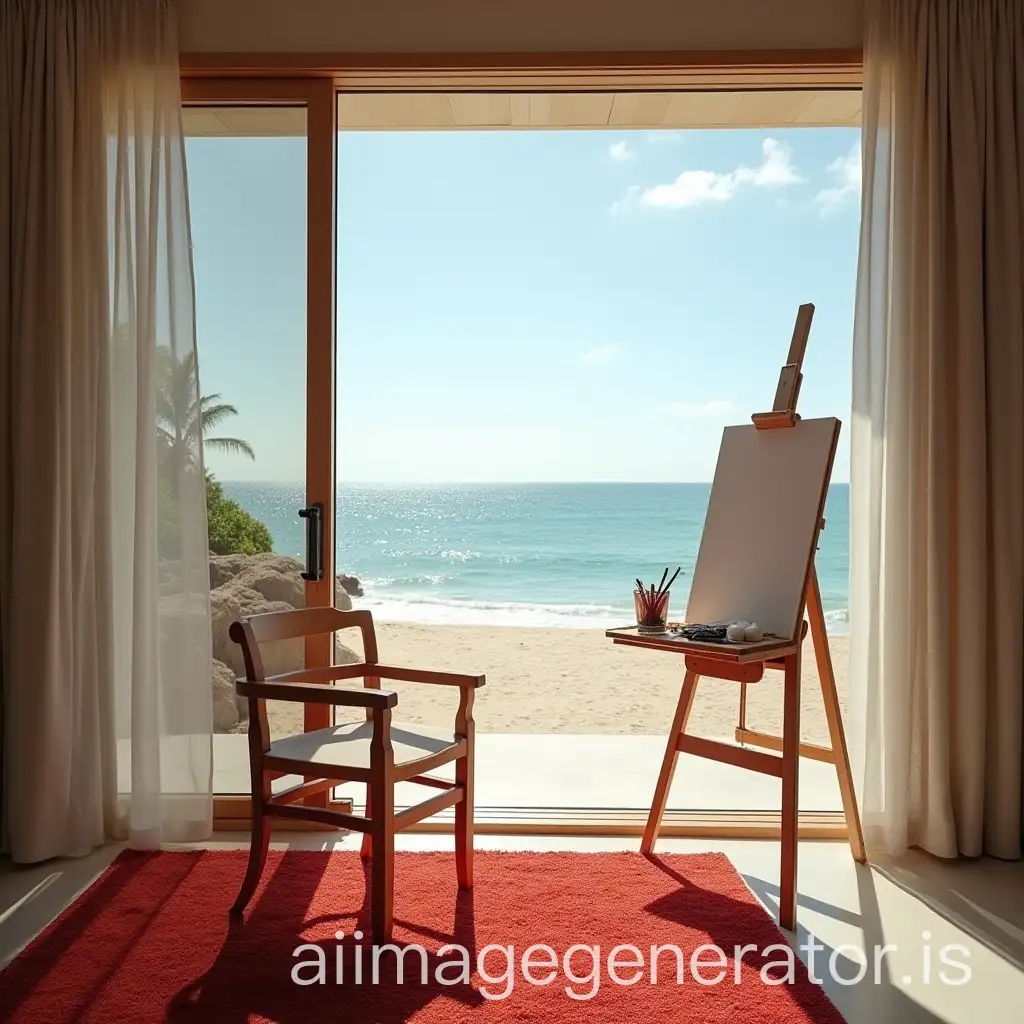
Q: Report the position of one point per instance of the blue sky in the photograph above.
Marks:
(528, 305)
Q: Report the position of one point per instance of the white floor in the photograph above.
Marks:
(919, 905)
(580, 771)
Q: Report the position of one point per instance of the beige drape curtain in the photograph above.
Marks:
(937, 517)
(104, 592)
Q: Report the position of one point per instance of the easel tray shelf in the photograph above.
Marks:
(741, 653)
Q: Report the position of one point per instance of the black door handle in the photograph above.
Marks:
(314, 516)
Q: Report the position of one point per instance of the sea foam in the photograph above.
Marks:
(451, 611)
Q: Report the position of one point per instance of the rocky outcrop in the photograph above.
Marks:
(231, 602)
(350, 585)
(344, 655)
(243, 585)
(225, 702)
(274, 577)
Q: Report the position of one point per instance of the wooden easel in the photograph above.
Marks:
(745, 664)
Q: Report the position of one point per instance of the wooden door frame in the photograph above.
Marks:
(618, 71)
(314, 81)
(318, 97)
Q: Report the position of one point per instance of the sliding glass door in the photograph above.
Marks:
(554, 350)
(249, 172)
(495, 497)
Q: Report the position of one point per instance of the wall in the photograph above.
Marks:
(381, 26)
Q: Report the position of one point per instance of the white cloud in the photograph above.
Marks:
(694, 187)
(704, 410)
(776, 167)
(601, 354)
(691, 188)
(846, 172)
(620, 151)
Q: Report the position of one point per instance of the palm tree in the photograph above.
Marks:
(184, 418)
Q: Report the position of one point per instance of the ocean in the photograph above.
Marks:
(523, 554)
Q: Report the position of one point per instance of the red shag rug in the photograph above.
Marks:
(151, 941)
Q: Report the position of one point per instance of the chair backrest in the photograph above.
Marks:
(250, 632)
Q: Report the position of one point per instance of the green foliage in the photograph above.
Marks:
(232, 530)
(183, 423)
(168, 512)
(184, 419)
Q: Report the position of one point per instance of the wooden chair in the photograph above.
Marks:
(372, 750)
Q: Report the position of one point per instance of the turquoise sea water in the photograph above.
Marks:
(522, 554)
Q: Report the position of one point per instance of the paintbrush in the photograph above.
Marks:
(674, 575)
(661, 585)
(645, 604)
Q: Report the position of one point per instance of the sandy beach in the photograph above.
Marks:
(574, 681)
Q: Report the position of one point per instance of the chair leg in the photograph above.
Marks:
(382, 871)
(464, 820)
(366, 846)
(258, 846)
(465, 726)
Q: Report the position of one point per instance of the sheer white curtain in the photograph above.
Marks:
(104, 587)
(937, 520)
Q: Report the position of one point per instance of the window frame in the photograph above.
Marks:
(315, 80)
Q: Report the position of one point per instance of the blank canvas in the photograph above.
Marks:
(762, 524)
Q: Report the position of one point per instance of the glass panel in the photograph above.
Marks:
(247, 192)
(541, 334)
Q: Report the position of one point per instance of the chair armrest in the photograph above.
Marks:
(419, 675)
(316, 693)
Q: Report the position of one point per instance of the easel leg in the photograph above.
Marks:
(668, 766)
(833, 715)
(790, 791)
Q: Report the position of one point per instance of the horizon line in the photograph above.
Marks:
(490, 483)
